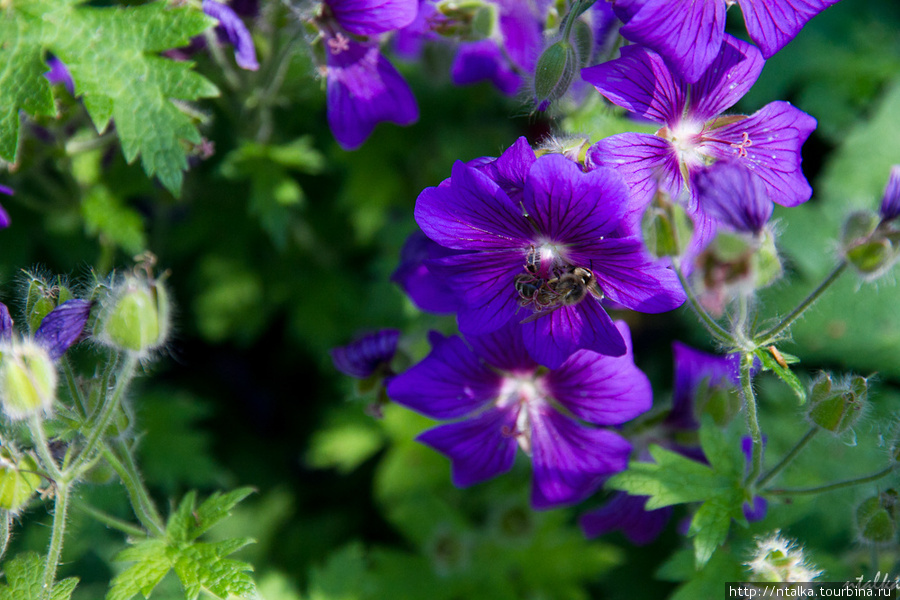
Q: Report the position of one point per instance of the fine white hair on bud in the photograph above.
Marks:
(27, 379)
(777, 559)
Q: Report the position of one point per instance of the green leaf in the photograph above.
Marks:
(107, 217)
(340, 578)
(188, 522)
(783, 373)
(672, 479)
(25, 580)
(203, 567)
(152, 560)
(113, 54)
(711, 522)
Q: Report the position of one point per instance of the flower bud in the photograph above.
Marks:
(41, 297)
(779, 560)
(135, 316)
(868, 247)
(890, 203)
(468, 20)
(18, 480)
(554, 72)
(836, 407)
(877, 516)
(666, 226)
(27, 380)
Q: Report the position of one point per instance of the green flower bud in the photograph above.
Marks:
(27, 380)
(554, 72)
(836, 407)
(871, 258)
(666, 226)
(858, 227)
(19, 480)
(468, 20)
(722, 403)
(868, 248)
(41, 297)
(766, 263)
(780, 560)
(877, 516)
(135, 316)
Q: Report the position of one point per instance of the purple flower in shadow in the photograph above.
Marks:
(234, 30)
(497, 398)
(366, 355)
(890, 202)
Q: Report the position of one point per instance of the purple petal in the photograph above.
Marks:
(427, 291)
(730, 76)
(522, 27)
(774, 23)
(734, 196)
(504, 349)
(602, 390)
(646, 163)
(890, 203)
(694, 368)
(571, 207)
(510, 169)
(570, 460)
(371, 17)
(236, 32)
(471, 213)
(627, 276)
(479, 448)
(449, 383)
(776, 134)
(756, 511)
(626, 514)
(63, 326)
(483, 61)
(6, 323)
(59, 73)
(642, 83)
(485, 284)
(552, 338)
(363, 90)
(687, 33)
(364, 356)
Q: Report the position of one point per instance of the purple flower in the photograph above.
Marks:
(235, 32)
(733, 196)
(366, 355)
(371, 17)
(6, 323)
(890, 203)
(497, 398)
(427, 291)
(542, 239)
(689, 33)
(698, 374)
(59, 73)
(4, 216)
(627, 514)
(483, 60)
(693, 133)
(63, 326)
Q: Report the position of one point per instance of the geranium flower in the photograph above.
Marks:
(689, 33)
(366, 355)
(890, 202)
(694, 133)
(499, 398)
(548, 250)
(234, 30)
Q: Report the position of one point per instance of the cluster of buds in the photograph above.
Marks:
(870, 243)
(877, 517)
(835, 407)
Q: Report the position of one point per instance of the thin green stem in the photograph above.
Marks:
(752, 417)
(143, 506)
(36, 425)
(60, 510)
(231, 77)
(72, 383)
(109, 406)
(111, 521)
(788, 457)
(714, 329)
(830, 487)
(769, 336)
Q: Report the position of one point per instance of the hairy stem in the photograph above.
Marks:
(110, 406)
(767, 337)
(767, 477)
(111, 521)
(752, 417)
(36, 426)
(830, 487)
(144, 508)
(60, 511)
(714, 329)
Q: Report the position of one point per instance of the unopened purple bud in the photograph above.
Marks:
(59, 73)
(6, 190)
(236, 32)
(890, 204)
(6, 323)
(757, 510)
(63, 326)
(363, 357)
(734, 196)
(4, 217)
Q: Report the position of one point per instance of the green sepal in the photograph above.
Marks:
(784, 373)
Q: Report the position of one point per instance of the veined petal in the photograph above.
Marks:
(471, 213)
(553, 337)
(687, 33)
(510, 169)
(733, 195)
(371, 17)
(570, 460)
(479, 448)
(626, 513)
(731, 75)
(571, 207)
(627, 276)
(768, 143)
(362, 357)
(426, 290)
(774, 23)
(504, 349)
(603, 390)
(63, 326)
(640, 81)
(449, 383)
(484, 282)
(646, 163)
(363, 90)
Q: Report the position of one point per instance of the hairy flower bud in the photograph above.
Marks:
(666, 226)
(135, 316)
(27, 380)
(890, 202)
(467, 20)
(18, 480)
(554, 73)
(41, 297)
(836, 407)
(877, 516)
(868, 246)
(780, 560)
